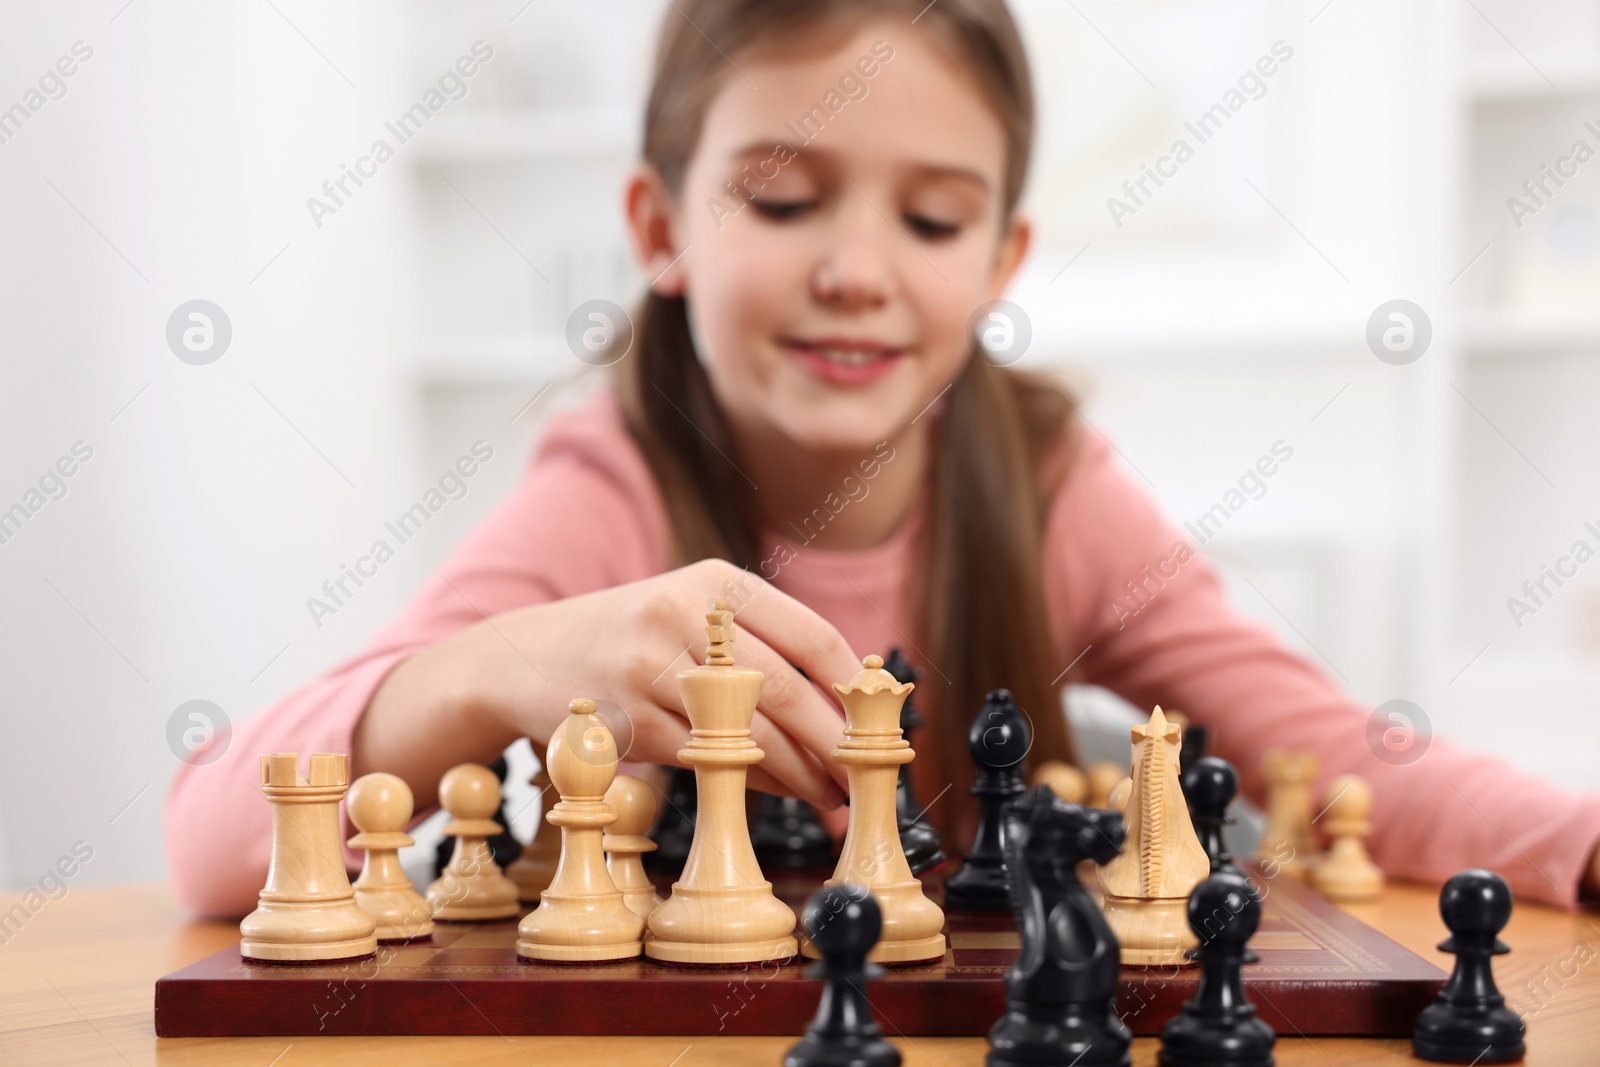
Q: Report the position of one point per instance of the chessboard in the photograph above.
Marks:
(1321, 972)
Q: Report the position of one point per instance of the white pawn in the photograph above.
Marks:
(625, 843)
(1117, 799)
(536, 866)
(1102, 778)
(1064, 780)
(380, 805)
(472, 887)
(1347, 873)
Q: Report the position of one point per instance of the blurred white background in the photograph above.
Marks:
(374, 345)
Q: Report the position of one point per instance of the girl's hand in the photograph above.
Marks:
(513, 675)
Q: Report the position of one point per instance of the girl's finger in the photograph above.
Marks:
(798, 635)
(795, 705)
(763, 782)
(758, 780)
(792, 765)
(786, 758)
(658, 734)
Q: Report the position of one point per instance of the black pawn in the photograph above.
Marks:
(918, 839)
(673, 832)
(1218, 1027)
(1209, 786)
(1061, 991)
(503, 846)
(1469, 1021)
(786, 833)
(998, 742)
(1192, 746)
(844, 922)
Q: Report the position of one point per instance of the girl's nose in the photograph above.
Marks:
(854, 270)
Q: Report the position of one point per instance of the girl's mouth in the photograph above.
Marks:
(845, 361)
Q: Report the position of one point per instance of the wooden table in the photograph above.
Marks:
(77, 981)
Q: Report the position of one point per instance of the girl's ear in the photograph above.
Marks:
(649, 209)
(1013, 248)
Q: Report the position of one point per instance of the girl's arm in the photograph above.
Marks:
(1134, 590)
(218, 824)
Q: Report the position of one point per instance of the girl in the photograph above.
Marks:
(804, 427)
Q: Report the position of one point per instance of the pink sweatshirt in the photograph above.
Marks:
(587, 515)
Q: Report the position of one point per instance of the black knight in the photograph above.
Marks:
(1061, 991)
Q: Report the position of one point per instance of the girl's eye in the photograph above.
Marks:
(932, 229)
(783, 210)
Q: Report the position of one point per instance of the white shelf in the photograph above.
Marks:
(1515, 81)
(1505, 337)
(1563, 672)
(453, 362)
(1088, 325)
(530, 134)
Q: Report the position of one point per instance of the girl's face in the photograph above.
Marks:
(830, 297)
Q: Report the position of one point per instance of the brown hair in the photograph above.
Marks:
(980, 616)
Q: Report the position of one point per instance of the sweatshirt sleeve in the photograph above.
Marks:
(1133, 596)
(585, 515)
